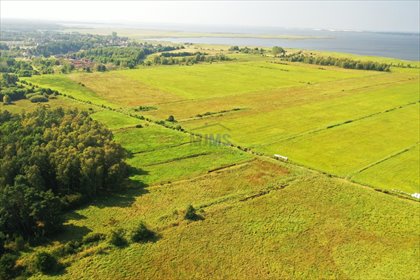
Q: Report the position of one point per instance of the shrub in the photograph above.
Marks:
(38, 98)
(142, 234)
(93, 237)
(139, 126)
(69, 248)
(171, 118)
(117, 238)
(45, 263)
(190, 213)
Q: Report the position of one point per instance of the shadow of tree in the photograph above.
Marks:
(71, 232)
(72, 215)
(136, 171)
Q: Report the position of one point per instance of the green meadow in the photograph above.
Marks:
(258, 218)
(347, 134)
(327, 118)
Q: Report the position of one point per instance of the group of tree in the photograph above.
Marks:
(57, 43)
(45, 65)
(247, 50)
(164, 59)
(22, 68)
(128, 56)
(50, 159)
(119, 56)
(12, 89)
(180, 54)
(339, 62)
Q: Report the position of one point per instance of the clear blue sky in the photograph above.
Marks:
(347, 15)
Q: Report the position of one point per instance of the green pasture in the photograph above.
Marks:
(284, 108)
(316, 227)
(401, 172)
(345, 149)
(65, 85)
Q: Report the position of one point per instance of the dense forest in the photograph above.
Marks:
(51, 159)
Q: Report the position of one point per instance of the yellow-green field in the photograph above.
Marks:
(260, 218)
(335, 120)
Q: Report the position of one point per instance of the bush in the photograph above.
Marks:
(7, 266)
(93, 237)
(38, 98)
(45, 263)
(142, 234)
(190, 214)
(171, 118)
(117, 238)
(69, 248)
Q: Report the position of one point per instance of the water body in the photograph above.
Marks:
(395, 45)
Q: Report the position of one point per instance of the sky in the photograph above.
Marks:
(338, 15)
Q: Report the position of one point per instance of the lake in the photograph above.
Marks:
(395, 45)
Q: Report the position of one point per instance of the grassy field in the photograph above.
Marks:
(358, 143)
(401, 172)
(327, 118)
(260, 218)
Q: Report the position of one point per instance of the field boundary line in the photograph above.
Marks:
(263, 155)
(234, 200)
(237, 165)
(163, 148)
(381, 160)
(178, 158)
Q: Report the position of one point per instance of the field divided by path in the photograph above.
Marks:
(312, 228)
(401, 172)
(159, 154)
(259, 217)
(332, 119)
(345, 149)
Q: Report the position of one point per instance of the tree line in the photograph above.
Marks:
(339, 62)
(165, 59)
(247, 50)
